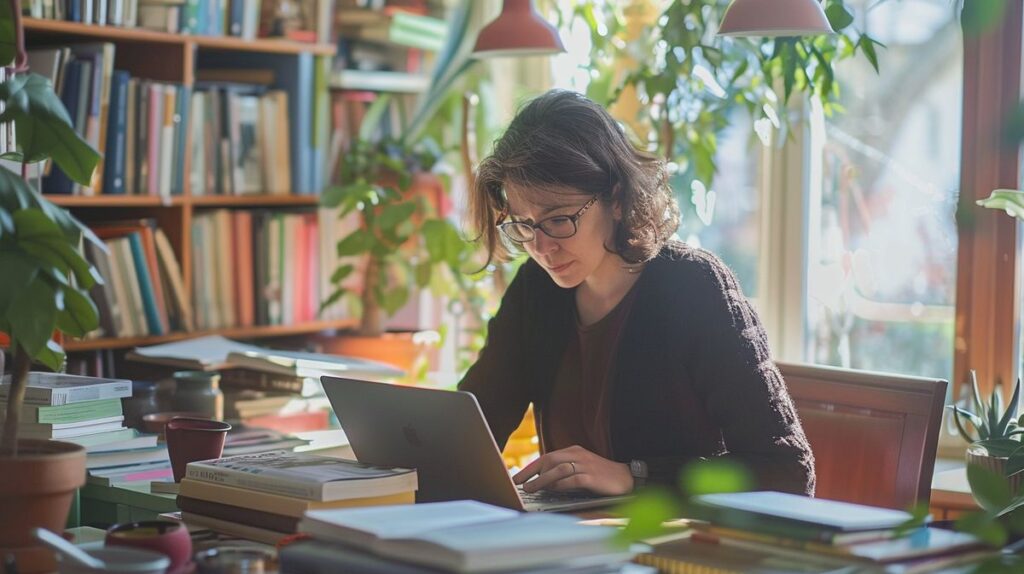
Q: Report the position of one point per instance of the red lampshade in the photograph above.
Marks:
(518, 31)
(771, 18)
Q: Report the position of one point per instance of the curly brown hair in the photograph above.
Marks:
(562, 140)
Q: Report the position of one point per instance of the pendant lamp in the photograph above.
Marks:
(518, 31)
(772, 18)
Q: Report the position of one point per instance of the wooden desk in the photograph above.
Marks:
(951, 494)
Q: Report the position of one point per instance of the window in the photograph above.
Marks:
(881, 238)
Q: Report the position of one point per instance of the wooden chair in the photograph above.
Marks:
(873, 435)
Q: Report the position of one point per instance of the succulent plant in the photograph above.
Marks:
(998, 428)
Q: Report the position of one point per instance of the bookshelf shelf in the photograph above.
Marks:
(111, 200)
(38, 27)
(261, 331)
(253, 200)
(201, 201)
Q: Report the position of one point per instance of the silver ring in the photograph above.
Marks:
(573, 465)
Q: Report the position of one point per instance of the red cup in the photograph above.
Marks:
(164, 536)
(192, 439)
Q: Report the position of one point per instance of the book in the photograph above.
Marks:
(248, 514)
(72, 413)
(236, 529)
(795, 516)
(461, 536)
(218, 353)
(919, 543)
(131, 457)
(113, 440)
(277, 504)
(301, 475)
(68, 430)
(315, 557)
(60, 389)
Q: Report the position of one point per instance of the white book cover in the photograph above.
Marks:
(843, 516)
(306, 476)
(60, 389)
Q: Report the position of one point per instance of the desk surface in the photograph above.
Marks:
(951, 491)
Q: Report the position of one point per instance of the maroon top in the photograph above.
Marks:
(580, 395)
(693, 376)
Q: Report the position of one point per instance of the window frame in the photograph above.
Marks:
(986, 336)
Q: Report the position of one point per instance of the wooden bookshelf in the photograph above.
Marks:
(174, 58)
(257, 332)
(35, 27)
(129, 201)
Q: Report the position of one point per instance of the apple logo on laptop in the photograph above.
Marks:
(411, 436)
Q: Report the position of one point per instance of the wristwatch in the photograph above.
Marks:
(638, 469)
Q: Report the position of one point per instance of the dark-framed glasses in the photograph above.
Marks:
(557, 227)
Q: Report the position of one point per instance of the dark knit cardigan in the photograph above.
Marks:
(693, 378)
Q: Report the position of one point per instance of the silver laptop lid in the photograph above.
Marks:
(442, 434)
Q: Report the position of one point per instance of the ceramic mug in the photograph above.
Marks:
(192, 439)
(120, 560)
(167, 537)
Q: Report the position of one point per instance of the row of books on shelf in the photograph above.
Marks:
(241, 138)
(249, 267)
(297, 20)
(265, 268)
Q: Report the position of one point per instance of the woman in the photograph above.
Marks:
(639, 353)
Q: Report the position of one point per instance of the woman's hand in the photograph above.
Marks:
(576, 468)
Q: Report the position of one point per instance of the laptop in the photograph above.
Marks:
(444, 436)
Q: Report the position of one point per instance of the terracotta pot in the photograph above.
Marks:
(36, 490)
(996, 464)
(402, 350)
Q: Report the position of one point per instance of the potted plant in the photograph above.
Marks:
(996, 430)
(403, 240)
(44, 291)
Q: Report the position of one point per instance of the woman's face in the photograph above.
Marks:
(572, 260)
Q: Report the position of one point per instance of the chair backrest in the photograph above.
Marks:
(873, 435)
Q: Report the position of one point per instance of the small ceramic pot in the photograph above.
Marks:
(164, 536)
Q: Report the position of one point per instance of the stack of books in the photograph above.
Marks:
(87, 411)
(83, 410)
(264, 496)
(456, 536)
(756, 530)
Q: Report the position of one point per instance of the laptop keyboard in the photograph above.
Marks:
(549, 496)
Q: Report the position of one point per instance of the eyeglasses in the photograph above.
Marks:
(557, 227)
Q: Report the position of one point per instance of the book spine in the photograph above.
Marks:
(75, 412)
(258, 482)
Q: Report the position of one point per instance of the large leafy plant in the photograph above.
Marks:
(402, 239)
(690, 82)
(45, 275)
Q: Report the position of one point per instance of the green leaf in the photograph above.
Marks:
(444, 244)
(334, 196)
(424, 270)
(716, 475)
(647, 512)
(7, 36)
(371, 119)
(357, 242)
(991, 490)
(19, 272)
(1009, 200)
(43, 238)
(867, 47)
(79, 316)
(395, 214)
(838, 16)
(984, 527)
(33, 317)
(334, 298)
(44, 129)
(52, 356)
(393, 300)
(341, 273)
